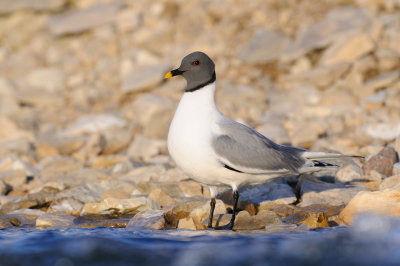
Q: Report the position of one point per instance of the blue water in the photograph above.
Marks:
(106, 246)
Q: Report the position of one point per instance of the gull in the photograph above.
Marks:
(217, 151)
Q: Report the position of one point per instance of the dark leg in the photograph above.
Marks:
(229, 226)
(212, 207)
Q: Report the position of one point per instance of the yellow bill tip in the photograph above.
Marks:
(168, 75)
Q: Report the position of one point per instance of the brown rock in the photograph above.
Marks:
(385, 202)
(183, 208)
(160, 197)
(246, 222)
(201, 213)
(282, 210)
(96, 220)
(311, 219)
(187, 223)
(381, 162)
(117, 206)
(59, 220)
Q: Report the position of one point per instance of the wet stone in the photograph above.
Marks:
(150, 219)
(96, 220)
(310, 219)
(55, 220)
(244, 221)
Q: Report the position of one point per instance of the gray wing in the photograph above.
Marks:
(245, 150)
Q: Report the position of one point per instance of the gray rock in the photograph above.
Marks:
(274, 191)
(381, 81)
(264, 47)
(151, 219)
(69, 206)
(77, 21)
(55, 220)
(8, 6)
(101, 220)
(144, 78)
(85, 193)
(313, 191)
(396, 169)
(336, 23)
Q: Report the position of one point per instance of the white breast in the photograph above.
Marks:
(190, 134)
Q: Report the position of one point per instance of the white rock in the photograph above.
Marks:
(143, 148)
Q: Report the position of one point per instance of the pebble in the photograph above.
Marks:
(8, 6)
(119, 206)
(55, 220)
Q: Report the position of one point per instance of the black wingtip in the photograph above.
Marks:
(323, 164)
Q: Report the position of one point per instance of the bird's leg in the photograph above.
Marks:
(212, 207)
(229, 226)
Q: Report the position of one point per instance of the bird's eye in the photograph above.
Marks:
(196, 62)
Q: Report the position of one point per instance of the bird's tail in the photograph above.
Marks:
(311, 155)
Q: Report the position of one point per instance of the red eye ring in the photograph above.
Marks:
(196, 62)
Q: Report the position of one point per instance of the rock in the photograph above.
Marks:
(97, 220)
(385, 131)
(396, 169)
(264, 47)
(52, 168)
(183, 208)
(5, 223)
(116, 206)
(144, 77)
(144, 174)
(128, 20)
(313, 191)
(50, 80)
(90, 124)
(116, 141)
(173, 175)
(285, 228)
(381, 162)
(244, 221)
(336, 23)
(282, 210)
(310, 219)
(391, 183)
(385, 202)
(186, 223)
(347, 48)
(55, 220)
(350, 173)
(73, 22)
(161, 198)
(380, 81)
(274, 192)
(323, 76)
(143, 148)
(154, 113)
(9, 6)
(200, 214)
(151, 219)
(88, 193)
(387, 59)
(10, 131)
(330, 212)
(69, 206)
(23, 217)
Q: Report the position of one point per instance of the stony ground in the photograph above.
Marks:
(84, 109)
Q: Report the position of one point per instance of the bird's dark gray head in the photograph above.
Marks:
(198, 70)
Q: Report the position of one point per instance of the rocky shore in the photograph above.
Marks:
(84, 109)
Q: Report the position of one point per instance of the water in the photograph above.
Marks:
(107, 246)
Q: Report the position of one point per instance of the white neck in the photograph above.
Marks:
(200, 102)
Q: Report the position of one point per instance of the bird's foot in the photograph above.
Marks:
(228, 226)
